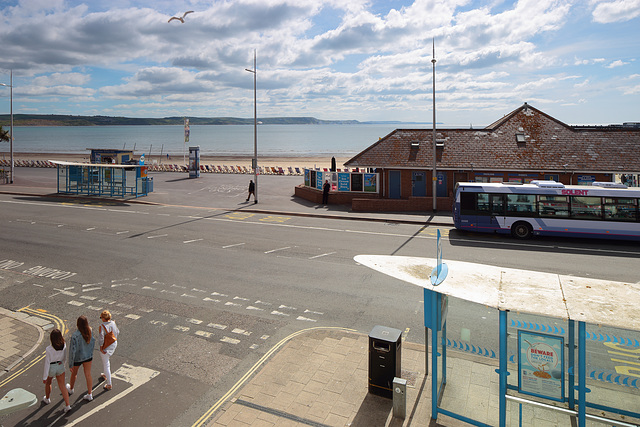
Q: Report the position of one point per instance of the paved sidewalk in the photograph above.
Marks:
(20, 335)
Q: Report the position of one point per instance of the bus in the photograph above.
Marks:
(548, 208)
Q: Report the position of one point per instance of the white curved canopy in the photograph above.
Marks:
(567, 297)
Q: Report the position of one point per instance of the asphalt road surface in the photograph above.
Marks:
(201, 294)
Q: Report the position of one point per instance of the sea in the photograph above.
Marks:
(340, 140)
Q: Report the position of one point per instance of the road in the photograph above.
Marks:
(201, 294)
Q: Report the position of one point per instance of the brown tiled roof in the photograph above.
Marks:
(549, 146)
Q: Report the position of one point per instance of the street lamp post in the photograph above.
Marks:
(255, 128)
(10, 86)
(434, 178)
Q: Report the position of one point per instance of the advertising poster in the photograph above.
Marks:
(344, 181)
(307, 177)
(370, 182)
(541, 365)
(319, 180)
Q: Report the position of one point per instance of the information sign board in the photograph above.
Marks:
(541, 365)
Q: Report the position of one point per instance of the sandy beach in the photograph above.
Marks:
(284, 162)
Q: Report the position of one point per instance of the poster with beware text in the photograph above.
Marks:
(541, 365)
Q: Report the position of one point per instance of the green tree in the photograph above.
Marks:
(4, 135)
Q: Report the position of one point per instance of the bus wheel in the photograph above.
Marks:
(521, 230)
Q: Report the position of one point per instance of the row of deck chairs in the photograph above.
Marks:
(263, 170)
(27, 163)
(266, 170)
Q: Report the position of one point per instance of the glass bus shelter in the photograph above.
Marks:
(110, 180)
(559, 349)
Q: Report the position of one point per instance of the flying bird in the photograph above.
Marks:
(180, 19)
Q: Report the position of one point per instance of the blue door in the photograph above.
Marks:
(394, 184)
(441, 185)
(418, 184)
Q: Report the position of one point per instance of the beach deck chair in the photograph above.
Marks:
(273, 170)
(298, 171)
(246, 169)
(219, 169)
(280, 171)
(290, 170)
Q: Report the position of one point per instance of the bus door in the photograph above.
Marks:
(497, 210)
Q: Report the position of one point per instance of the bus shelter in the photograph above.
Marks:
(565, 345)
(111, 180)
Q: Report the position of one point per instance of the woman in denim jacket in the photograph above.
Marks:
(81, 354)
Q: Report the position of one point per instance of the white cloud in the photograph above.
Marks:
(616, 11)
(76, 79)
(616, 63)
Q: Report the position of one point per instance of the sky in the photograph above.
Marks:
(366, 60)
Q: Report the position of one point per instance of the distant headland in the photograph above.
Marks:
(70, 120)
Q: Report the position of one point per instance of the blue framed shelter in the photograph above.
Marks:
(546, 325)
(110, 180)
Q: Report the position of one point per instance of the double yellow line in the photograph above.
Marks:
(253, 369)
(42, 314)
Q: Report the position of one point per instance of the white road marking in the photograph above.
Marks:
(262, 302)
(122, 232)
(241, 332)
(219, 294)
(217, 326)
(87, 297)
(91, 289)
(35, 284)
(233, 304)
(230, 340)
(94, 308)
(242, 299)
(210, 299)
(305, 319)
(194, 321)
(254, 308)
(204, 334)
(231, 246)
(278, 313)
(158, 322)
(191, 241)
(264, 337)
(91, 228)
(254, 346)
(313, 312)
(76, 303)
(132, 316)
(188, 296)
(159, 235)
(318, 256)
(276, 250)
(181, 328)
(287, 308)
(149, 288)
(134, 375)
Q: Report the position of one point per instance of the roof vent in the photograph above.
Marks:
(608, 184)
(548, 184)
(520, 138)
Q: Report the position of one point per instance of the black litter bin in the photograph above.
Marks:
(385, 345)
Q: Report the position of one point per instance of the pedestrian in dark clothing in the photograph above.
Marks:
(252, 190)
(325, 192)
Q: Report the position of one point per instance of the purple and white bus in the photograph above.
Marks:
(601, 210)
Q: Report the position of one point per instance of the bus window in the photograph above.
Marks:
(468, 203)
(620, 209)
(497, 204)
(483, 203)
(521, 204)
(586, 207)
(553, 206)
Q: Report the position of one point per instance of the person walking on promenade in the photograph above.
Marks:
(108, 341)
(252, 190)
(54, 359)
(325, 192)
(81, 347)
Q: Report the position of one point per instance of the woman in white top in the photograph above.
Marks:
(54, 361)
(106, 352)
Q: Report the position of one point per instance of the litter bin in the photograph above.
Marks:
(385, 348)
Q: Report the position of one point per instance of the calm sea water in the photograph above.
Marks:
(273, 140)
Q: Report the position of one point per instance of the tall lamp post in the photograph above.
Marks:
(10, 86)
(255, 128)
(434, 177)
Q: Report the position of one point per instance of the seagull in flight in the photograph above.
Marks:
(182, 18)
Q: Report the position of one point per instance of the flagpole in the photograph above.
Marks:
(434, 177)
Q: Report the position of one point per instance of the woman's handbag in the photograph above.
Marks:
(109, 338)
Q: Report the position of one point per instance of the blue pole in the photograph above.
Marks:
(582, 375)
(434, 357)
(502, 371)
(572, 363)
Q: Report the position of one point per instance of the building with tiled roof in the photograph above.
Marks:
(522, 146)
